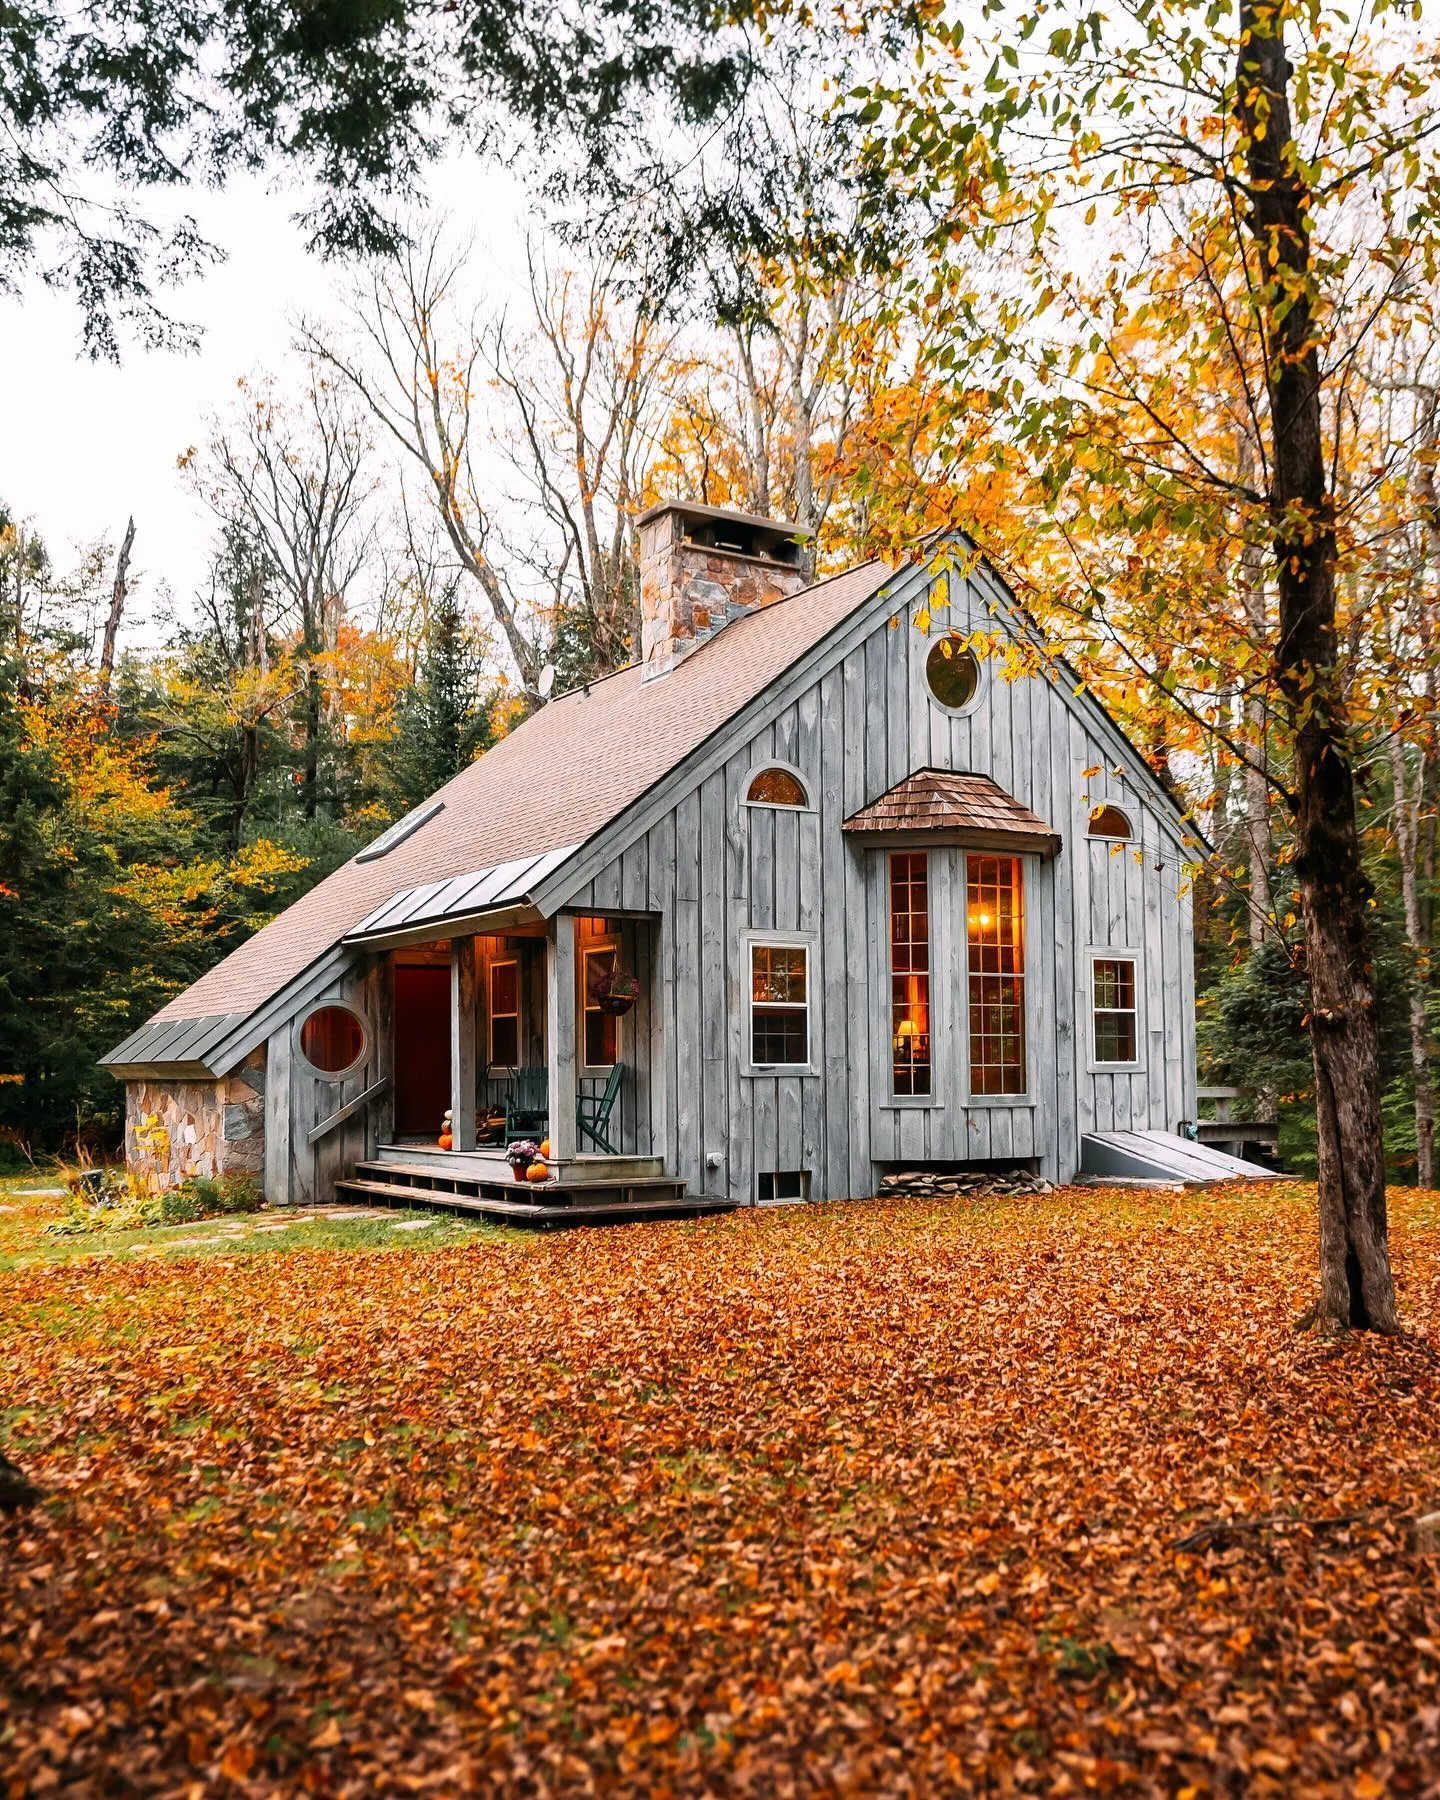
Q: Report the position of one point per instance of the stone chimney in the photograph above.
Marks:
(700, 567)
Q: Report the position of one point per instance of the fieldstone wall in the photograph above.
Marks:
(174, 1129)
(688, 591)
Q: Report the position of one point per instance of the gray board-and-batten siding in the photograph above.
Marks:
(717, 871)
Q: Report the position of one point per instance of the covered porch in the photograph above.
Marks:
(522, 1029)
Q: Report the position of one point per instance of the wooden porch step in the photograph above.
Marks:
(598, 1204)
(488, 1161)
(423, 1175)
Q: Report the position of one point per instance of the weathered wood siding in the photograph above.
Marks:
(715, 871)
(297, 1172)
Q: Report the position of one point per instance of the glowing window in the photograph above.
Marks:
(505, 1014)
(602, 1026)
(995, 942)
(910, 973)
(952, 673)
(780, 1006)
(332, 1041)
(777, 787)
(1113, 1006)
(1109, 822)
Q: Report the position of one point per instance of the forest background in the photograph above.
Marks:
(437, 498)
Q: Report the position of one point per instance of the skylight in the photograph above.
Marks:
(400, 830)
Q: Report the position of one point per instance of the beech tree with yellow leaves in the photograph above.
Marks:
(1253, 138)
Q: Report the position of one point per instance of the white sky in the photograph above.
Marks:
(86, 444)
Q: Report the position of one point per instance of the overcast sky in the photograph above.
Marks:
(86, 444)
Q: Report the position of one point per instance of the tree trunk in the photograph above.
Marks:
(1257, 789)
(1407, 820)
(117, 608)
(1356, 1285)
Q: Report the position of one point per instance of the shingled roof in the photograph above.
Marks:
(569, 770)
(968, 809)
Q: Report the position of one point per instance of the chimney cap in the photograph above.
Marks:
(723, 514)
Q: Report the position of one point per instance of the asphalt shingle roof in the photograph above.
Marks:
(570, 769)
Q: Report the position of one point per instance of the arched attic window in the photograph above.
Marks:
(776, 786)
(1110, 822)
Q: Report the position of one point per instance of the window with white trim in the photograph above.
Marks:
(1114, 1010)
(777, 786)
(1108, 821)
(505, 1014)
(780, 1005)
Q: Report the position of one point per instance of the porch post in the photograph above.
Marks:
(464, 997)
(560, 1044)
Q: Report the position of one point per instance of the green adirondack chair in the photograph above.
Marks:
(527, 1104)
(593, 1113)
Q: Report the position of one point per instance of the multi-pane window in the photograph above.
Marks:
(505, 1014)
(1113, 1005)
(995, 940)
(602, 1027)
(910, 973)
(779, 1005)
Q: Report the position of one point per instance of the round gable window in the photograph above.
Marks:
(332, 1041)
(952, 673)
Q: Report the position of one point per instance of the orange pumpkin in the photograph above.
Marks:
(446, 1141)
(537, 1172)
(545, 1150)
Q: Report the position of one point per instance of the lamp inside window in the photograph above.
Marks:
(995, 952)
(910, 974)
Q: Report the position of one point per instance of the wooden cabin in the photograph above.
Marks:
(839, 878)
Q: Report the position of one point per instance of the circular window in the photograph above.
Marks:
(952, 673)
(332, 1040)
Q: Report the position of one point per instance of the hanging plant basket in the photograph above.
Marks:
(619, 995)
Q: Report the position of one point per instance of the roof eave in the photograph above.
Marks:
(1046, 844)
(434, 931)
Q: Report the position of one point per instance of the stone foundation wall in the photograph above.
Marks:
(174, 1129)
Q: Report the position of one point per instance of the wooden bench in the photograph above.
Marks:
(1232, 1134)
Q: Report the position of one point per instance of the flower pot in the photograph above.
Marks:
(617, 1005)
(517, 1171)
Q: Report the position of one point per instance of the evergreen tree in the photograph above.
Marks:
(445, 719)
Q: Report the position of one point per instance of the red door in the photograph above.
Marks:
(422, 1050)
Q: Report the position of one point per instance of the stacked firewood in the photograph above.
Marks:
(922, 1183)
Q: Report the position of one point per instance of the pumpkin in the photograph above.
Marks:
(545, 1150)
(446, 1141)
(537, 1172)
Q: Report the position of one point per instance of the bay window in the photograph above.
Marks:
(995, 956)
(910, 974)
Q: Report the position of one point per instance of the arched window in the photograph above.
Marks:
(333, 1041)
(1109, 822)
(952, 673)
(776, 787)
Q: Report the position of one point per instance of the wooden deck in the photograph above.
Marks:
(589, 1190)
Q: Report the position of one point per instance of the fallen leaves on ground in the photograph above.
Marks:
(869, 1498)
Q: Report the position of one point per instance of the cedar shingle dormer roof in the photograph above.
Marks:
(969, 810)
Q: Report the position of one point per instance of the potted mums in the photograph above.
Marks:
(527, 1161)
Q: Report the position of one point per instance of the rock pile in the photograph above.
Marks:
(922, 1183)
